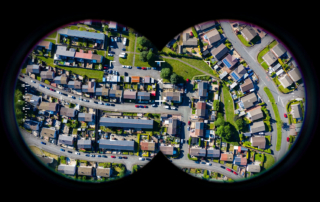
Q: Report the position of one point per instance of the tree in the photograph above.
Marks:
(143, 56)
(227, 132)
(105, 28)
(219, 122)
(220, 131)
(165, 73)
(194, 32)
(239, 123)
(174, 78)
(216, 105)
(150, 56)
(143, 41)
(175, 45)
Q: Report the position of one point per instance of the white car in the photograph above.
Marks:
(115, 38)
(85, 100)
(167, 107)
(100, 103)
(58, 92)
(209, 164)
(110, 54)
(32, 81)
(261, 133)
(141, 159)
(173, 108)
(154, 105)
(123, 66)
(77, 153)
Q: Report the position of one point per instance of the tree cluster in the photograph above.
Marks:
(224, 129)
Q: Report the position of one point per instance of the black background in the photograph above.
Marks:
(160, 26)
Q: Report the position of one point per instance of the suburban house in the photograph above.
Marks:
(116, 145)
(276, 68)
(47, 45)
(285, 81)
(189, 41)
(32, 99)
(238, 73)
(103, 172)
(47, 75)
(126, 123)
(174, 97)
(130, 95)
(247, 85)
(102, 92)
(146, 79)
(49, 133)
(213, 153)
(248, 101)
(255, 114)
(212, 37)
(33, 69)
(240, 161)
(292, 129)
(295, 74)
(194, 151)
(87, 117)
(51, 108)
(90, 88)
(115, 94)
(248, 33)
(296, 111)
(172, 128)
(67, 169)
(113, 25)
(257, 127)
(199, 129)
(68, 57)
(63, 79)
(135, 79)
(167, 150)
(298, 127)
(253, 168)
(31, 125)
(220, 52)
(270, 58)
(203, 89)
(278, 50)
(85, 170)
(201, 109)
(226, 157)
(205, 26)
(147, 146)
(112, 78)
(74, 84)
(259, 142)
(66, 140)
(95, 38)
(84, 144)
(230, 61)
(143, 95)
(223, 74)
(69, 112)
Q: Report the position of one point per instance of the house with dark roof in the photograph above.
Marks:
(172, 128)
(74, 84)
(248, 101)
(270, 58)
(147, 146)
(220, 52)
(49, 133)
(238, 73)
(248, 33)
(85, 170)
(255, 114)
(87, 117)
(115, 94)
(205, 26)
(278, 50)
(195, 151)
(90, 88)
(116, 145)
(31, 125)
(49, 107)
(295, 74)
(213, 153)
(213, 36)
(285, 81)
(247, 85)
(32, 99)
(189, 41)
(203, 89)
(33, 69)
(84, 144)
(67, 169)
(126, 123)
(257, 127)
(259, 142)
(47, 75)
(143, 95)
(226, 157)
(230, 61)
(63, 55)
(174, 97)
(65, 139)
(296, 111)
(103, 172)
(201, 109)
(69, 112)
(167, 150)
(199, 129)
(102, 92)
(63, 79)
(130, 95)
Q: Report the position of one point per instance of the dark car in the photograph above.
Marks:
(43, 143)
(70, 152)
(120, 157)
(104, 156)
(113, 157)
(126, 73)
(124, 157)
(222, 167)
(62, 150)
(21, 76)
(98, 155)
(137, 106)
(145, 106)
(141, 106)
(92, 155)
(203, 162)
(197, 162)
(148, 159)
(87, 155)
(154, 68)
(123, 49)
(138, 67)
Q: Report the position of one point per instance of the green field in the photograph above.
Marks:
(277, 117)
(167, 50)
(269, 161)
(228, 105)
(243, 40)
(128, 60)
(132, 39)
(199, 64)
(265, 50)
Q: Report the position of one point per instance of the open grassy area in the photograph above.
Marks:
(167, 50)
(181, 69)
(92, 74)
(53, 35)
(265, 50)
(128, 60)
(139, 63)
(269, 161)
(243, 40)
(132, 39)
(199, 64)
(265, 66)
(277, 117)
(229, 165)
(228, 105)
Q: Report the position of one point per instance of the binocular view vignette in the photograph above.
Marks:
(95, 101)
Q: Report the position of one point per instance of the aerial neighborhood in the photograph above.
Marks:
(106, 101)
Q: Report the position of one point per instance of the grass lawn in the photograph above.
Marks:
(38, 78)
(235, 167)
(51, 40)
(265, 66)
(139, 63)
(92, 74)
(167, 50)
(181, 69)
(24, 70)
(228, 105)
(243, 40)
(50, 155)
(269, 161)
(52, 35)
(199, 64)
(229, 165)
(216, 160)
(132, 39)
(128, 60)
(211, 126)
(277, 117)
(265, 50)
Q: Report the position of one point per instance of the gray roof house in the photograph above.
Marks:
(90, 88)
(203, 89)
(102, 91)
(84, 144)
(285, 81)
(143, 95)
(62, 51)
(248, 33)
(257, 127)
(32, 99)
(199, 129)
(67, 169)
(213, 153)
(85, 170)
(213, 36)
(295, 74)
(126, 123)
(259, 142)
(127, 94)
(172, 128)
(103, 172)
(249, 100)
(247, 85)
(278, 50)
(69, 112)
(256, 114)
(47, 75)
(219, 52)
(253, 168)
(197, 151)
(205, 26)
(33, 69)
(270, 58)
(74, 84)
(116, 145)
(85, 117)
(49, 132)
(167, 150)
(189, 41)
(48, 106)
(63, 79)
(65, 139)
(296, 111)
(115, 93)
(82, 34)
(32, 125)
(172, 96)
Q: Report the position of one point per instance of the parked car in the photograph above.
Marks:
(98, 155)
(62, 150)
(154, 105)
(21, 76)
(197, 162)
(129, 67)
(222, 167)
(70, 152)
(43, 143)
(191, 34)
(104, 156)
(123, 49)
(188, 128)
(110, 71)
(113, 157)
(167, 107)
(141, 159)
(124, 157)
(149, 68)
(261, 133)
(78, 153)
(87, 155)
(235, 173)
(123, 66)
(138, 67)
(229, 170)
(209, 164)
(288, 139)
(33, 81)
(285, 115)
(189, 122)
(137, 106)
(145, 106)
(154, 68)
(41, 85)
(174, 108)
(92, 155)
(203, 162)
(119, 157)
(148, 159)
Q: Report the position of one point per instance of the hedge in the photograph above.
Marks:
(193, 159)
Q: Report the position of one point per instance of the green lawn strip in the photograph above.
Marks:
(132, 39)
(216, 160)
(128, 60)
(228, 106)
(52, 35)
(265, 50)
(200, 64)
(235, 167)
(265, 66)
(268, 137)
(243, 40)
(24, 70)
(277, 117)
(51, 40)
(181, 69)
